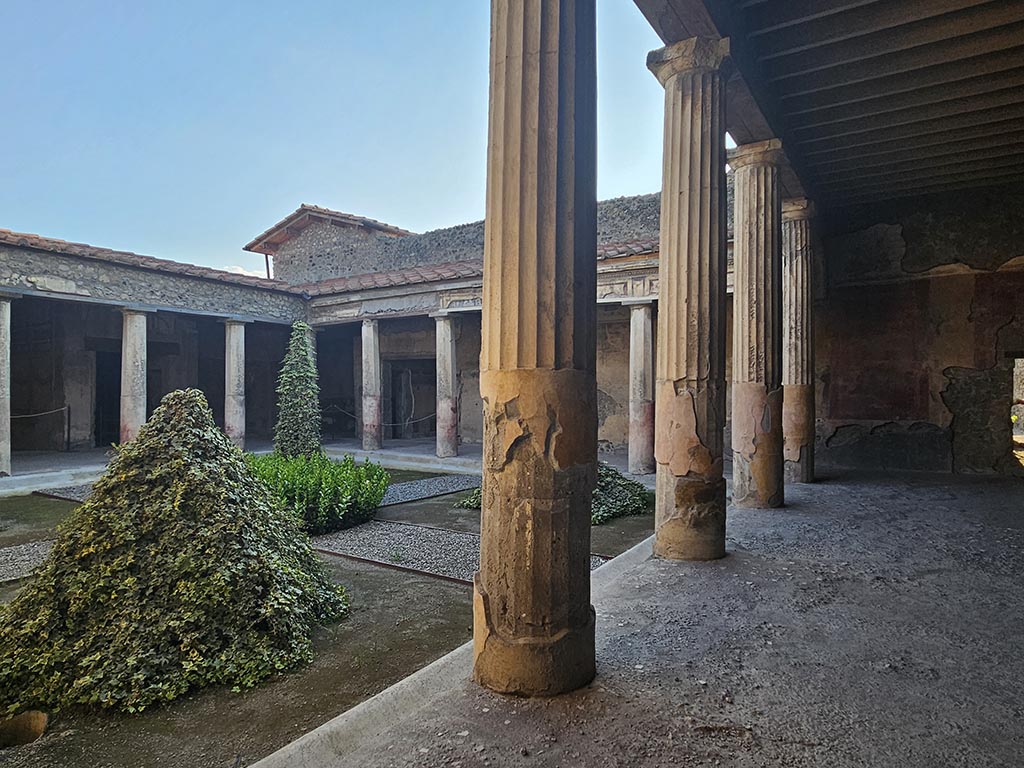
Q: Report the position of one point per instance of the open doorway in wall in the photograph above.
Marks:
(1017, 409)
(107, 416)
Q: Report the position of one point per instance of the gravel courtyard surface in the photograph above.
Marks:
(399, 493)
(455, 554)
(19, 560)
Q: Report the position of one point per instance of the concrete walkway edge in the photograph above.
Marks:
(326, 746)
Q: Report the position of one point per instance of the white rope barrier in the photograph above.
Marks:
(43, 413)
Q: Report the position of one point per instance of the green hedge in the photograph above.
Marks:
(325, 495)
(615, 496)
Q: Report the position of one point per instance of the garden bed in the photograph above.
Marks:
(399, 623)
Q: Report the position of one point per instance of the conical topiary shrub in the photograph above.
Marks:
(297, 432)
(178, 572)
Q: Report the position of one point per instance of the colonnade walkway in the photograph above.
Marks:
(872, 621)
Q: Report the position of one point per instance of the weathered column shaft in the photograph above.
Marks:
(133, 373)
(234, 382)
(447, 394)
(533, 625)
(757, 327)
(641, 390)
(690, 368)
(372, 404)
(5, 386)
(798, 341)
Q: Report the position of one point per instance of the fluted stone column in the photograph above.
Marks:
(757, 477)
(234, 381)
(5, 386)
(641, 389)
(798, 341)
(133, 373)
(690, 505)
(372, 410)
(533, 625)
(447, 396)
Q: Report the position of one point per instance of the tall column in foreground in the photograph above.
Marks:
(533, 625)
(447, 396)
(234, 381)
(372, 411)
(757, 478)
(798, 341)
(641, 390)
(5, 386)
(689, 518)
(133, 373)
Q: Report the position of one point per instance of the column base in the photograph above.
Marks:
(757, 464)
(535, 666)
(689, 517)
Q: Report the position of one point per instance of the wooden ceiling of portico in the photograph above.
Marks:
(872, 98)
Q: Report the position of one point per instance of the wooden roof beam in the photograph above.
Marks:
(916, 153)
(940, 29)
(859, 23)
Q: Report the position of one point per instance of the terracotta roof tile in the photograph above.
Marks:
(129, 259)
(427, 273)
(268, 242)
(640, 247)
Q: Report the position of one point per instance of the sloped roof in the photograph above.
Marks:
(268, 242)
(129, 259)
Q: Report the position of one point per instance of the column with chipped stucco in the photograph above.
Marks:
(757, 330)
(641, 389)
(133, 373)
(798, 341)
(5, 386)
(447, 395)
(533, 625)
(234, 381)
(372, 382)
(690, 366)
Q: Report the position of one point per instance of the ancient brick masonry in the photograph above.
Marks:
(690, 390)
(533, 625)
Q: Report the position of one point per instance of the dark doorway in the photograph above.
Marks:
(107, 418)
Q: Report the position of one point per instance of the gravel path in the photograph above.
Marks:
(399, 493)
(455, 554)
(430, 486)
(19, 560)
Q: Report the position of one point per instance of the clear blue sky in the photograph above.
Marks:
(182, 129)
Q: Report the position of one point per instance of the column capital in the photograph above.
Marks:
(641, 302)
(798, 209)
(767, 152)
(442, 314)
(694, 54)
(369, 322)
(136, 311)
(9, 297)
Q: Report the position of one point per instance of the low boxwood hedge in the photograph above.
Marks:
(325, 495)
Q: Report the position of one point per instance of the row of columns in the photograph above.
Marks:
(533, 623)
(133, 376)
(447, 387)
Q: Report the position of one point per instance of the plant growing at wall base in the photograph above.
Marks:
(179, 571)
(323, 494)
(615, 496)
(297, 432)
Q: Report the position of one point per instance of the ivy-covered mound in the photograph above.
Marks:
(179, 571)
(297, 432)
(615, 496)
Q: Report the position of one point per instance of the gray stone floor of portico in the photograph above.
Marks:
(875, 620)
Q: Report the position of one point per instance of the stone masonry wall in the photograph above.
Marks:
(917, 335)
(71, 276)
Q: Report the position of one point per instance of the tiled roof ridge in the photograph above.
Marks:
(421, 273)
(137, 260)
